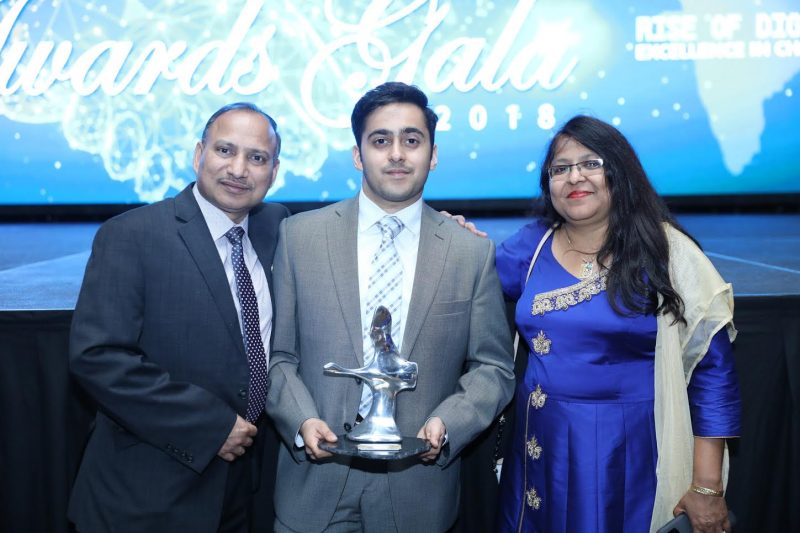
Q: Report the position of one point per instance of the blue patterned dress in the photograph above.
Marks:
(584, 446)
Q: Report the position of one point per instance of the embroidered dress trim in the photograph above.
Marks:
(538, 397)
(533, 499)
(541, 344)
(534, 449)
(566, 297)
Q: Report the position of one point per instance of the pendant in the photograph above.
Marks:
(588, 269)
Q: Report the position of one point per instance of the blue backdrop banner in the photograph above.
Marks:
(103, 102)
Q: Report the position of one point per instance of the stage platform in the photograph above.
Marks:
(42, 264)
(45, 417)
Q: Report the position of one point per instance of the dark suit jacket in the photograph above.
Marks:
(156, 342)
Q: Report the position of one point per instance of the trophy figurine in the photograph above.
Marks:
(377, 436)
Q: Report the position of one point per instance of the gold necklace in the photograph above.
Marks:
(588, 262)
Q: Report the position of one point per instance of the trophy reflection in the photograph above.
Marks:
(386, 375)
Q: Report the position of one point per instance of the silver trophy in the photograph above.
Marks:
(377, 436)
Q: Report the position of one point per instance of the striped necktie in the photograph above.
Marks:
(385, 287)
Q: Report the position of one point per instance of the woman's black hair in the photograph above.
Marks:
(636, 240)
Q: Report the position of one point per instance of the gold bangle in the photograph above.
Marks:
(705, 491)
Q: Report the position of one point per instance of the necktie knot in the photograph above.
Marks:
(235, 234)
(390, 227)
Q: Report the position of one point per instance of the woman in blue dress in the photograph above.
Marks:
(629, 392)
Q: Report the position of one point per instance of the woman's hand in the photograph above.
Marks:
(708, 514)
(461, 221)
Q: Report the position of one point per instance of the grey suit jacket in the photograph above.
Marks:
(456, 331)
(156, 343)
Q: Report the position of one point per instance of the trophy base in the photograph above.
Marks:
(387, 451)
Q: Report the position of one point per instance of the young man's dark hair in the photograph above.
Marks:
(393, 92)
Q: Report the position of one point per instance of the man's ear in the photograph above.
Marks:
(276, 165)
(198, 154)
(357, 158)
(434, 157)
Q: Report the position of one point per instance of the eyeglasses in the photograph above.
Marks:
(590, 167)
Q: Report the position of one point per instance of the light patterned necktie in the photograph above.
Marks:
(254, 345)
(385, 287)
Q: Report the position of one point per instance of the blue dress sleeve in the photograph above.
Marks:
(714, 399)
(514, 257)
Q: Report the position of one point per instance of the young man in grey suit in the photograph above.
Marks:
(176, 363)
(451, 318)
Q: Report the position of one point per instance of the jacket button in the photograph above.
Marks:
(243, 394)
(347, 427)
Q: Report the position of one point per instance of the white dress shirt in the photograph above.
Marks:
(406, 243)
(368, 241)
(219, 224)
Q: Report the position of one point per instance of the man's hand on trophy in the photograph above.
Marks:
(313, 432)
(433, 432)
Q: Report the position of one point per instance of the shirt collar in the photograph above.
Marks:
(369, 213)
(216, 219)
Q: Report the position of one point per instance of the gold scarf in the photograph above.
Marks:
(708, 303)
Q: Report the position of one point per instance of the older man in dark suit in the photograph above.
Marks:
(171, 338)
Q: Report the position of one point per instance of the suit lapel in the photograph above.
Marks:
(263, 240)
(194, 232)
(434, 241)
(343, 255)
